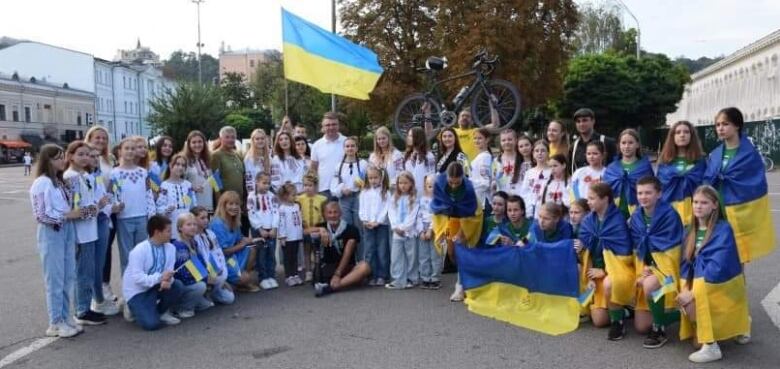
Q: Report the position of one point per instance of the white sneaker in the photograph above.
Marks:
(273, 282)
(64, 330)
(264, 284)
(108, 294)
(53, 331)
(184, 314)
(709, 352)
(71, 322)
(107, 307)
(458, 294)
(169, 319)
(309, 276)
(380, 282)
(298, 280)
(744, 339)
(127, 314)
(289, 281)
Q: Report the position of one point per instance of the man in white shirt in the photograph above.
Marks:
(328, 151)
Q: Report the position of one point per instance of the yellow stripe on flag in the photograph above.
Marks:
(753, 229)
(327, 75)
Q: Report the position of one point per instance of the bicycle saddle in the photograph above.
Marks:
(436, 63)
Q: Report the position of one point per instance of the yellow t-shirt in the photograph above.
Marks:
(466, 140)
(558, 149)
(311, 209)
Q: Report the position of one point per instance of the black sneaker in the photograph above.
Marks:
(655, 339)
(617, 330)
(91, 318)
(425, 285)
(434, 285)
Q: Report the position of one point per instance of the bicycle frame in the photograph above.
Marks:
(435, 91)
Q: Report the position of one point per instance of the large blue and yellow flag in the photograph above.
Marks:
(607, 241)
(678, 185)
(660, 243)
(326, 61)
(534, 287)
(455, 210)
(743, 189)
(624, 183)
(718, 285)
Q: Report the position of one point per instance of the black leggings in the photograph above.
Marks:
(111, 237)
(291, 258)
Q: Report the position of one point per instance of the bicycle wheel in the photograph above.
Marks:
(507, 104)
(409, 114)
(769, 164)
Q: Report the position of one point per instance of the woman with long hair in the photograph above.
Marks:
(197, 153)
(386, 156)
(558, 138)
(258, 158)
(450, 151)
(681, 167)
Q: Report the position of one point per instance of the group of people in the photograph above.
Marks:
(394, 218)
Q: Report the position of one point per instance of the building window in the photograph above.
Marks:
(125, 106)
(27, 114)
(2, 112)
(251, 63)
(124, 81)
(78, 118)
(15, 114)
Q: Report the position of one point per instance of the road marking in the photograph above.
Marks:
(771, 304)
(29, 349)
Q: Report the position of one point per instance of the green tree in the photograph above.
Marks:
(600, 29)
(183, 66)
(237, 94)
(190, 106)
(623, 91)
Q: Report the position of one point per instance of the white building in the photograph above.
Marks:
(748, 79)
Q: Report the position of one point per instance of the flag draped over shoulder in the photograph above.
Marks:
(563, 231)
(455, 211)
(678, 187)
(534, 287)
(326, 61)
(621, 181)
(743, 189)
(718, 287)
(661, 240)
(610, 239)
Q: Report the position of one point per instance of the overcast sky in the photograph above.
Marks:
(692, 28)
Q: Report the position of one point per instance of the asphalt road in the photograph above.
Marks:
(367, 328)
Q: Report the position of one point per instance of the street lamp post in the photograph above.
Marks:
(638, 31)
(333, 29)
(200, 44)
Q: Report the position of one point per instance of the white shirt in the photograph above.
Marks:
(209, 246)
(533, 184)
(481, 176)
(84, 189)
(290, 222)
(27, 160)
(347, 176)
(424, 215)
(49, 203)
(420, 168)
(133, 192)
(372, 207)
(581, 181)
(394, 166)
(557, 191)
(180, 196)
(198, 173)
(403, 216)
(328, 154)
(251, 168)
(263, 210)
(136, 278)
(288, 170)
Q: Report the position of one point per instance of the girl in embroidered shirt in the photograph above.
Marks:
(176, 194)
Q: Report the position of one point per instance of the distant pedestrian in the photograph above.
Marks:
(27, 163)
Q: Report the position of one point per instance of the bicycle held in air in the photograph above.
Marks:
(483, 92)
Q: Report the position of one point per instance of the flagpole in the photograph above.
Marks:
(333, 29)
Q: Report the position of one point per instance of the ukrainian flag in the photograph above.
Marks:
(215, 181)
(454, 211)
(326, 61)
(154, 182)
(678, 187)
(563, 231)
(196, 269)
(610, 239)
(743, 189)
(718, 285)
(661, 240)
(624, 183)
(534, 287)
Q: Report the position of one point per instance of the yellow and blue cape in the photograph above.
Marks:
(563, 231)
(718, 286)
(661, 241)
(610, 239)
(677, 187)
(454, 211)
(624, 183)
(534, 287)
(743, 189)
(326, 61)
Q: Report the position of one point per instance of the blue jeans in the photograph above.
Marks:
(85, 276)
(130, 232)
(101, 253)
(376, 245)
(222, 294)
(430, 261)
(193, 297)
(58, 256)
(266, 258)
(403, 258)
(147, 310)
(349, 212)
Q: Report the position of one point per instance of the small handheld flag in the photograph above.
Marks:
(196, 269)
(494, 237)
(213, 266)
(666, 287)
(99, 180)
(76, 200)
(154, 182)
(215, 180)
(188, 198)
(586, 297)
